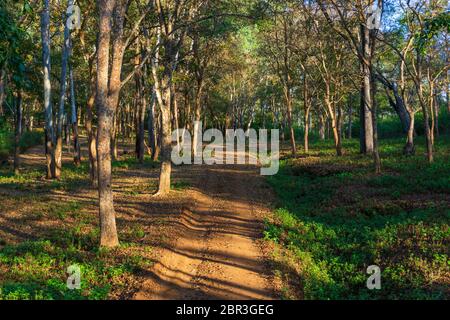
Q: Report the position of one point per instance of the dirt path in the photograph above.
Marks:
(205, 238)
(217, 255)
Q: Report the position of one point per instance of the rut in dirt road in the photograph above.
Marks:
(217, 255)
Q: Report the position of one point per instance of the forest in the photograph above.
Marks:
(96, 97)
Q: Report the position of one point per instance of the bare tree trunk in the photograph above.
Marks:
(175, 118)
(114, 151)
(362, 129)
(374, 89)
(2, 89)
(140, 107)
(197, 118)
(307, 105)
(350, 119)
(76, 141)
(289, 120)
(151, 124)
(409, 148)
(18, 131)
(367, 91)
(49, 133)
(376, 153)
(92, 135)
(105, 109)
(321, 126)
(30, 123)
(166, 162)
(62, 97)
(426, 115)
(141, 139)
(435, 108)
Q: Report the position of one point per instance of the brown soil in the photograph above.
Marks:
(205, 240)
(215, 255)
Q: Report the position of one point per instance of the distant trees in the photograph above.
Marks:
(137, 69)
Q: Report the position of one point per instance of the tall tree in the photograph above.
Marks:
(49, 130)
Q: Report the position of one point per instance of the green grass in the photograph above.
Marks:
(67, 234)
(28, 140)
(336, 218)
(36, 270)
(180, 185)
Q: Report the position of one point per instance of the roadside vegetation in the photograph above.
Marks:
(334, 217)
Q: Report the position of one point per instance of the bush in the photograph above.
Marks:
(30, 139)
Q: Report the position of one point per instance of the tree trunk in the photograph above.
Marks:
(350, 119)
(307, 105)
(18, 132)
(62, 98)
(151, 125)
(92, 136)
(376, 153)
(436, 108)
(2, 89)
(76, 141)
(196, 151)
(426, 115)
(105, 109)
(166, 162)
(49, 132)
(289, 120)
(409, 148)
(367, 91)
(321, 127)
(141, 140)
(140, 109)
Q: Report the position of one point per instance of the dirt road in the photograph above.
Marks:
(205, 239)
(217, 255)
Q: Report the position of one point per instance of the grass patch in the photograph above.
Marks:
(336, 218)
(180, 185)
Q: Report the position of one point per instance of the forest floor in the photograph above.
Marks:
(203, 241)
(225, 232)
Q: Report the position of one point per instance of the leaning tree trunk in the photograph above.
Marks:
(49, 131)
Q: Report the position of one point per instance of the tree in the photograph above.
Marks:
(49, 133)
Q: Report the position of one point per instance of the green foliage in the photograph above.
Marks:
(338, 222)
(36, 270)
(179, 185)
(6, 139)
(433, 26)
(30, 139)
